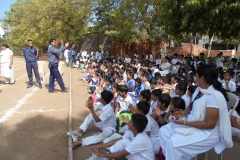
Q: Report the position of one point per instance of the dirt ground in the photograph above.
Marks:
(33, 122)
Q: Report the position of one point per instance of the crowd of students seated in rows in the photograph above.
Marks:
(175, 108)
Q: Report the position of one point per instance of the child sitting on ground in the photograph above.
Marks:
(124, 100)
(139, 148)
(161, 109)
(176, 104)
(105, 121)
(180, 90)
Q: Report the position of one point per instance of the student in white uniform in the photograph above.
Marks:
(123, 100)
(105, 121)
(235, 121)
(139, 148)
(207, 124)
(180, 90)
(227, 83)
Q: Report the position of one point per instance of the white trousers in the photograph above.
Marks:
(186, 152)
(106, 131)
(156, 144)
(235, 132)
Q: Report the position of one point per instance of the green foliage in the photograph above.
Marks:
(40, 20)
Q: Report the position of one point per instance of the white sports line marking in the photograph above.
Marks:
(1, 86)
(70, 152)
(10, 112)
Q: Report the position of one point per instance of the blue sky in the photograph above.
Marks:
(5, 6)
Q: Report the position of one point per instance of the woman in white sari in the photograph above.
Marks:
(203, 125)
(7, 67)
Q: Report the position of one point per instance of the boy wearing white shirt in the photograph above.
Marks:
(123, 100)
(105, 121)
(227, 83)
(181, 89)
(140, 148)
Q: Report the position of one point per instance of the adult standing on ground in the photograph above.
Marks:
(31, 58)
(7, 66)
(74, 54)
(53, 59)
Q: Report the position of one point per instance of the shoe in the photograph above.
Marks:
(74, 138)
(29, 86)
(66, 89)
(91, 158)
(50, 91)
(39, 86)
(75, 133)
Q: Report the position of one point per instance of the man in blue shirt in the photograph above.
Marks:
(31, 58)
(53, 59)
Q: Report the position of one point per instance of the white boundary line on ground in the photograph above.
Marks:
(2, 86)
(10, 112)
(70, 151)
(21, 102)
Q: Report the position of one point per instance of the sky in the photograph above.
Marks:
(5, 6)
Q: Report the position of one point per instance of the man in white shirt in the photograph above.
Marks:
(105, 121)
(151, 57)
(174, 60)
(66, 56)
(127, 59)
(84, 55)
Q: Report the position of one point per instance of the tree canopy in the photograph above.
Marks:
(40, 20)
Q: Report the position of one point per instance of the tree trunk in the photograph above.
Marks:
(210, 45)
(121, 48)
(153, 49)
(191, 42)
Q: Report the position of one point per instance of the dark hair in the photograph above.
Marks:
(146, 94)
(189, 78)
(210, 74)
(139, 122)
(120, 77)
(115, 85)
(230, 73)
(157, 74)
(145, 75)
(178, 103)
(165, 99)
(192, 89)
(131, 74)
(157, 92)
(110, 80)
(144, 107)
(51, 40)
(5, 45)
(153, 81)
(138, 80)
(29, 40)
(123, 88)
(165, 79)
(107, 96)
(176, 77)
(182, 87)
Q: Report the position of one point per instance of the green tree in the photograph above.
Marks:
(40, 20)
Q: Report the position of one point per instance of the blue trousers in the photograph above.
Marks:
(74, 59)
(55, 74)
(33, 66)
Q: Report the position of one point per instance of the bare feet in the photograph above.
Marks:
(77, 144)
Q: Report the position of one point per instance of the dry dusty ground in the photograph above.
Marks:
(33, 122)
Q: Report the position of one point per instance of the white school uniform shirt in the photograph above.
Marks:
(186, 100)
(231, 84)
(141, 146)
(124, 104)
(174, 61)
(172, 92)
(235, 114)
(127, 60)
(151, 57)
(153, 104)
(152, 127)
(106, 115)
(218, 62)
(158, 61)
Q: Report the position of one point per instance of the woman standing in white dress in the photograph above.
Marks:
(7, 66)
(204, 124)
